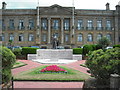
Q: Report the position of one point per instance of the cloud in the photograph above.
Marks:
(79, 4)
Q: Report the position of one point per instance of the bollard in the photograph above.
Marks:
(114, 81)
(12, 84)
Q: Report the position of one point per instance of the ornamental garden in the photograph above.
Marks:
(101, 62)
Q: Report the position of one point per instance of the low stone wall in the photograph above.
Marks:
(55, 54)
(77, 57)
(31, 56)
(34, 56)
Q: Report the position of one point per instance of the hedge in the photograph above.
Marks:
(17, 52)
(28, 50)
(77, 50)
(8, 60)
(87, 49)
(116, 46)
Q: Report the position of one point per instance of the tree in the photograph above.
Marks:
(104, 42)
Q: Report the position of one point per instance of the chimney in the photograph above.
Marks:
(4, 5)
(107, 6)
(117, 7)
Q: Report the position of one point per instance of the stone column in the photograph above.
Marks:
(62, 31)
(49, 30)
(114, 81)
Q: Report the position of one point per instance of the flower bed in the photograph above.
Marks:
(53, 68)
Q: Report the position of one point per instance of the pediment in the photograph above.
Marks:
(55, 10)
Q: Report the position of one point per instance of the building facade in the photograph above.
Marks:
(37, 27)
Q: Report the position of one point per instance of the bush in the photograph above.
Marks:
(98, 46)
(87, 49)
(116, 46)
(8, 60)
(77, 50)
(29, 50)
(104, 42)
(17, 52)
(102, 64)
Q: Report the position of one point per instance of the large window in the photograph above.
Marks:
(31, 24)
(66, 38)
(31, 37)
(89, 38)
(21, 37)
(99, 36)
(56, 24)
(108, 25)
(2, 37)
(44, 24)
(99, 25)
(108, 36)
(3, 24)
(11, 24)
(90, 25)
(11, 37)
(80, 37)
(44, 37)
(21, 24)
(66, 24)
(80, 24)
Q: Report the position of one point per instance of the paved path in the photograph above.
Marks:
(33, 84)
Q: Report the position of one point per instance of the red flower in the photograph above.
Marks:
(53, 68)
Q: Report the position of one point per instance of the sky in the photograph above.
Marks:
(79, 4)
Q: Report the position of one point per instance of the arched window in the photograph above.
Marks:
(108, 36)
(31, 37)
(11, 37)
(80, 37)
(21, 37)
(89, 38)
(99, 36)
(2, 37)
(66, 37)
(44, 37)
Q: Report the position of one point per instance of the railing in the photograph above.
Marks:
(108, 28)
(11, 28)
(99, 28)
(66, 28)
(44, 28)
(31, 27)
(89, 28)
(21, 27)
(80, 28)
(55, 28)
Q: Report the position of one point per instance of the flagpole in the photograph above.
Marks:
(73, 17)
(38, 19)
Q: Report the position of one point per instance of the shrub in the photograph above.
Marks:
(104, 42)
(29, 50)
(77, 50)
(8, 60)
(98, 46)
(116, 46)
(87, 49)
(17, 52)
(102, 64)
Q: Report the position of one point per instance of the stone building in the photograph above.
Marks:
(72, 27)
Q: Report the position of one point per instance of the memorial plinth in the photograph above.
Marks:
(55, 54)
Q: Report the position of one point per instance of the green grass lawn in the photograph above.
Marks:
(34, 74)
(18, 64)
